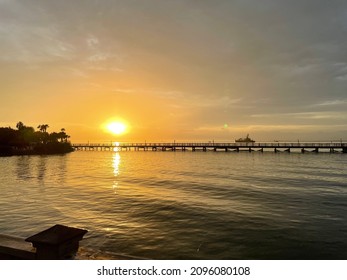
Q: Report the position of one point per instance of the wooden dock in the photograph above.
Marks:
(303, 147)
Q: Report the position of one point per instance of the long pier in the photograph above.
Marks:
(303, 147)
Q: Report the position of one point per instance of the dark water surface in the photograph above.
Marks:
(184, 205)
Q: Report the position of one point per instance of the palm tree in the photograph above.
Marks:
(20, 125)
(43, 127)
(61, 135)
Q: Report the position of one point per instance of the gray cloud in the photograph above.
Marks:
(226, 59)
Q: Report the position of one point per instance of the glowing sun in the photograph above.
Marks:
(117, 128)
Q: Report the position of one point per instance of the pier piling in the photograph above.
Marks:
(235, 146)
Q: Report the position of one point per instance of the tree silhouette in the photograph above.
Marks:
(63, 136)
(43, 127)
(20, 125)
(25, 140)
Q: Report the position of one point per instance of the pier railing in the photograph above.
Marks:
(335, 143)
(332, 146)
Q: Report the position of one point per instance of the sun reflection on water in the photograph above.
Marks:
(116, 163)
(116, 148)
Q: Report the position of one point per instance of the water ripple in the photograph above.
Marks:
(184, 205)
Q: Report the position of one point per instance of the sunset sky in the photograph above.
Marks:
(176, 69)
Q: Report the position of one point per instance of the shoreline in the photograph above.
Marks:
(33, 154)
(57, 149)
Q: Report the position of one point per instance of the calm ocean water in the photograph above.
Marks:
(184, 205)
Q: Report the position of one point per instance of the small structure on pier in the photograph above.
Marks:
(245, 140)
(56, 243)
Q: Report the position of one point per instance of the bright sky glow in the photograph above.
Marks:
(176, 70)
(116, 128)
